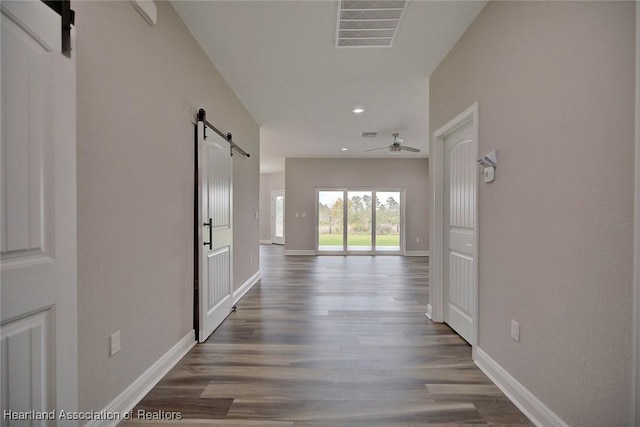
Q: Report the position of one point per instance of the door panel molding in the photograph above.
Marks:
(27, 168)
(27, 344)
(435, 308)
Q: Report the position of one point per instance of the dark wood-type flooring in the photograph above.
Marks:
(332, 341)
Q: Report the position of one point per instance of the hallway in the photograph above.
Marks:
(332, 341)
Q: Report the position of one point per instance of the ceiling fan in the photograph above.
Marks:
(396, 146)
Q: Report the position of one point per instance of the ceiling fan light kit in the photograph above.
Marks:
(396, 146)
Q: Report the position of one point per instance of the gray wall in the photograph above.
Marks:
(268, 183)
(555, 85)
(304, 175)
(139, 88)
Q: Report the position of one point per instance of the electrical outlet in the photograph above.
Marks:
(114, 340)
(515, 331)
(417, 240)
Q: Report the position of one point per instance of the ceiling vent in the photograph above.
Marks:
(369, 134)
(368, 23)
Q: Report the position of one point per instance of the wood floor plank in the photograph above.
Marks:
(332, 341)
(347, 410)
(195, 422)
(281, 390)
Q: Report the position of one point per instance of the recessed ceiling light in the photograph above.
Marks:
(358, 110)
(344, 149)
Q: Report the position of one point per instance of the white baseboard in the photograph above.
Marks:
(299, 252)
(265, 242)
(416, 253)
(246, 286)
(529, 404)
(130, 397)
(429, 312)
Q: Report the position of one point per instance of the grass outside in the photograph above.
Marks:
(359, 240)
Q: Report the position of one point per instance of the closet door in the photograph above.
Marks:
(216, 231)
(459, 229)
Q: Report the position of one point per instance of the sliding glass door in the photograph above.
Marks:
(359, 221)
(388, 221)
(330, 221)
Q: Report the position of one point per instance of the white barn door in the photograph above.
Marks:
(215, 293)
(459, 229)
(38, 214)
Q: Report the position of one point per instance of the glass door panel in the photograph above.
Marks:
(388, 220)
(278, 218)
(359, 213)
(330, 221)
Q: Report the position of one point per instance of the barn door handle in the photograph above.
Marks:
(210, 225)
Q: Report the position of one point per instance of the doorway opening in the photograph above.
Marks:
(277, 217)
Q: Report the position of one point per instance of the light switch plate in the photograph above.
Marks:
(515, 331)
(114, 342)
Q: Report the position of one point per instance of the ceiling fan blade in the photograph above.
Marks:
(413, 150)
(375, 149)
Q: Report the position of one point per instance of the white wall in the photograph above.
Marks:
(554, 81)
(304, 175)
(268, 182)
(139, 88)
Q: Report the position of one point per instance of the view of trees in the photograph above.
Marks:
(330, 218)
(388, 217)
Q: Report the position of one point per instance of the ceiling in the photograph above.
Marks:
(280, 59)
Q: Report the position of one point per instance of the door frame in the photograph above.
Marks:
(435, 308)
(373, 251)
(274, 194)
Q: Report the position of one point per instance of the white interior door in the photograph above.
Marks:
(38, 215)
(459, 228)
(277, 217)
(216, 232)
